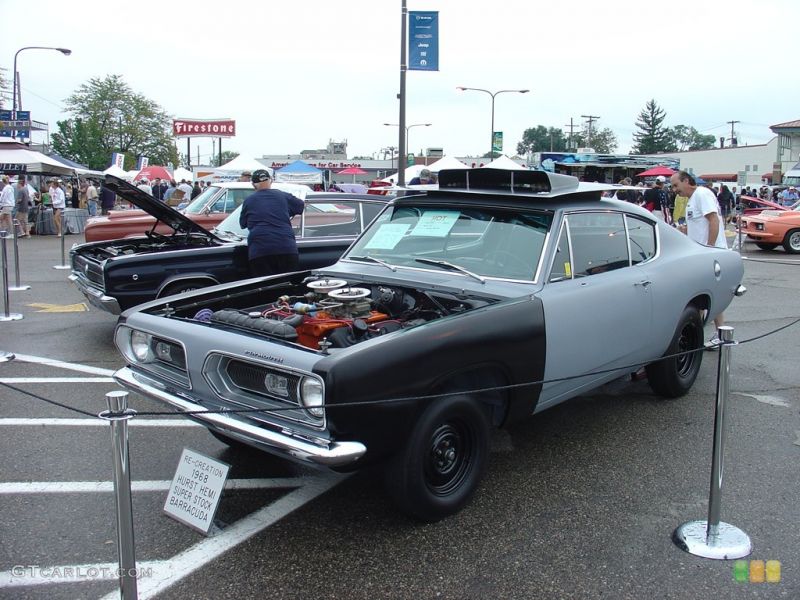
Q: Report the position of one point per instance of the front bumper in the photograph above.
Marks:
(333, 454)
(95, 297)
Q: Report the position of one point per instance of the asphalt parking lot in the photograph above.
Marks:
(579, 502)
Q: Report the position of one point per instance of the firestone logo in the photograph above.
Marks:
(186, 128)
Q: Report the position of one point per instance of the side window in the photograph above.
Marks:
(562, 266)
(235, 199)
(328, 219)
(219, 203)
(599, 243)
(642, 236)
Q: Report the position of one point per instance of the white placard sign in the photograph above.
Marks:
(196, 489)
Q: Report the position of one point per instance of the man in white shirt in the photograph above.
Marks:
(91, 199)
(7, 207)
(703, 222)
(186, 188)
(144, 185)
(59, 200)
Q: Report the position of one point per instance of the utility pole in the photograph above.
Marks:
(733, 135)
(591, 119)
(571, 126)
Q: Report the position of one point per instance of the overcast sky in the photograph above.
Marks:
(296, 74)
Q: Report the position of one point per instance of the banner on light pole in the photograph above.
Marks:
(423, 40)
(497, 141)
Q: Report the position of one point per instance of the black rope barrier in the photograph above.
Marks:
(630, 368)
(771, 262)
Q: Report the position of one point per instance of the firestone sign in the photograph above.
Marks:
(204, 128)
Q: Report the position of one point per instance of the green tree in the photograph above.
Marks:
(542, 139)
(652, 136)
(227, 156)
(688, 138)
(604, 141)
(108, 116)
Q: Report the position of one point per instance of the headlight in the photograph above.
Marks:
(311, 396)
(141, 346)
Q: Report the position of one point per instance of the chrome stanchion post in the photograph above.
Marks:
(118, 414)
(7, 316)
(17, 287)
(63, 264)
(713, 538)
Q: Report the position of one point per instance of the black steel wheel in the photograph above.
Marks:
(439, 468)
(673, 377)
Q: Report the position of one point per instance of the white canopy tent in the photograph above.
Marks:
(117, 172)
(503, 162)
(411, 172)
(17, 158)
(238, 165)
(181, 173)
(446, 162)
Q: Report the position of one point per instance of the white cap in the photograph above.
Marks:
(660, 179)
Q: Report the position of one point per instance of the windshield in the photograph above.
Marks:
(196, 205)
(501, 243)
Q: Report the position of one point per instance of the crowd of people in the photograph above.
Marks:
(170, 190)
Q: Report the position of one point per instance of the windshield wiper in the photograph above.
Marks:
(375, 260)
(226, 233)
(449, 265)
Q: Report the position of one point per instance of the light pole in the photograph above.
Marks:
(407, 128)
(64, 51)
(492, 94)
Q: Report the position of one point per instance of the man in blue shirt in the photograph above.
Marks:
(267, 215)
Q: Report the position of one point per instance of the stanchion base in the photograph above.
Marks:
(10, 317)
(62, 267)
(6, 356)
(19, 288)
(729, 543)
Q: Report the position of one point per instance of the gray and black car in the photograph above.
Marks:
(115, 275)
(498, 295)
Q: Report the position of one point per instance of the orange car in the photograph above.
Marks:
(773, 228)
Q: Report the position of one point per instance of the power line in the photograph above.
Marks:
(591, 119)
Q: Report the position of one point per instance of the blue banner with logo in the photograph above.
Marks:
(423, 40)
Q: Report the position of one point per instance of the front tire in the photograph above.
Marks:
(765, 246)
(791, 243)
(673, 377)
(442, 463)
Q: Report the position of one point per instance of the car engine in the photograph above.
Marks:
(334, 314)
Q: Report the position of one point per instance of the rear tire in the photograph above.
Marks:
(673, 377)
(442, 463)
(791, 243)
(765, 246)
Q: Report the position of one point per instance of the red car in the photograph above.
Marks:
(208, 210)
(773, 228)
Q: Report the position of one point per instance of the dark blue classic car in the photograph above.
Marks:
(115, 275)
(498, 295)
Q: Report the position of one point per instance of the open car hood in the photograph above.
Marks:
(155, 207)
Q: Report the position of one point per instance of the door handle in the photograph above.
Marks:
(644, 283)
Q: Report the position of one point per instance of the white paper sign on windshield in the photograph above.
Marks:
(387, 236)
(436, 223)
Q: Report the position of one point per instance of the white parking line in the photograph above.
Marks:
(80, 487)
(63, 365)
(16, 422)
(56, 380)
(156, 576)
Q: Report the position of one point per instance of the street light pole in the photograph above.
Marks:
(14, 107)
(408, 128)
(492, 94)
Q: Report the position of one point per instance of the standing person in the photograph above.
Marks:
(169, 190)
(655, 199)
(267, 214)
(82, 200)
(196, 191)
(725, 199)
(245, 176)
(107, 199)
(703, 221)
(186, 188)
(789, 196)
(23, 203)
(158, 193)
(59, 203)
(6, 206)
(91, 199)
(144, 185)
